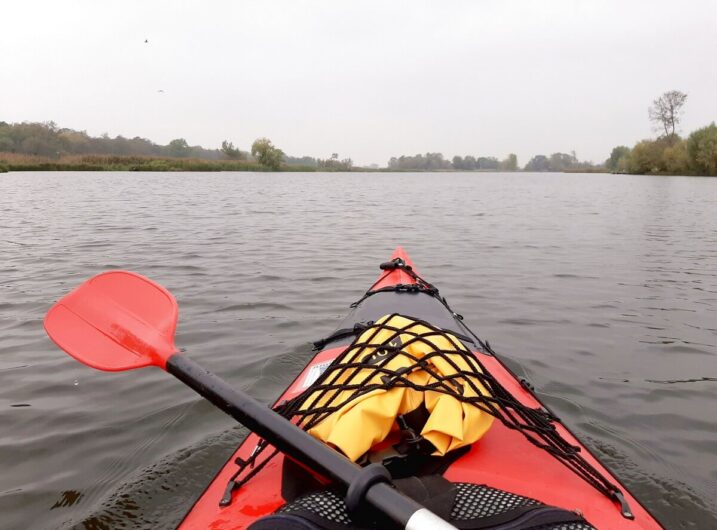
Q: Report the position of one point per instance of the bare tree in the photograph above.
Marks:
(666, 112)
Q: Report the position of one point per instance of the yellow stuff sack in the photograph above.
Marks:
(364, 421)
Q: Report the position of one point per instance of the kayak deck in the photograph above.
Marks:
(503, 458)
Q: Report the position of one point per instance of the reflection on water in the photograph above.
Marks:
(601, 289)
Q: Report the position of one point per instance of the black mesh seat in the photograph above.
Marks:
(327, 504)
(474, 501)
(466, 506)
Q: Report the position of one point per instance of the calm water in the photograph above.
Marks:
(601, 289)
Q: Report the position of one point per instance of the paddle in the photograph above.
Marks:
(120, 320)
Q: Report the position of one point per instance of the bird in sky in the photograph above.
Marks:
(146, 41)
(160, 90)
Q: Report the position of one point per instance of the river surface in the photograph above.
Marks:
(601, 289)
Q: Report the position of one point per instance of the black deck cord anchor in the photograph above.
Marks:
(625, 510)
(227, 497)
(367, 477)
(359, 327)
(526, 384)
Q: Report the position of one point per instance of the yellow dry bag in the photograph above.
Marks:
(428, 367)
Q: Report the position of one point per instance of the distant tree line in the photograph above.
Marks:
(694, 155)
(669, 154)
(471, 163)
(31, 146)
(427, 162)
(436, 162)
(48, 141)
(558, 162)
(303, 161)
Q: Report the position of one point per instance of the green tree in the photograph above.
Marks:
(646, 157)
(623, 165)
(675, 159)
(469, 162)
(435, 161)
(563, 161)
(619, 152)
(538, 163)
(487, 162)
(178, 148)
(702, 150)
(510, 163)
(230, 151)
(266, 153)
(6, 143)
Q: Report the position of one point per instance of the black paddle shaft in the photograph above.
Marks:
(289, 438)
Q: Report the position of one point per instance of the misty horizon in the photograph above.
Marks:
(369, 81)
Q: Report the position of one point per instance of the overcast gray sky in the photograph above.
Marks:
(365, 79)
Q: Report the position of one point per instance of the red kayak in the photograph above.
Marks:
(529, 472)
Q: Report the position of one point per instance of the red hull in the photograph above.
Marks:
(502, 459)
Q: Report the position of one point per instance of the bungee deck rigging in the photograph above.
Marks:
(329, 393)
(526, 471)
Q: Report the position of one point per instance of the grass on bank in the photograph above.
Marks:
(21, 162)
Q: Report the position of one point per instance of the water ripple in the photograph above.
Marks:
(600, 289)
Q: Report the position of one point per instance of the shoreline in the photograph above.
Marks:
(12, 162)
(60, 168)
(110, 163)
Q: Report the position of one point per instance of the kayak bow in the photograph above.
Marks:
(423, 426)
(503, 459)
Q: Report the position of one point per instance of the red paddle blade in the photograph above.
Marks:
(116, 321)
